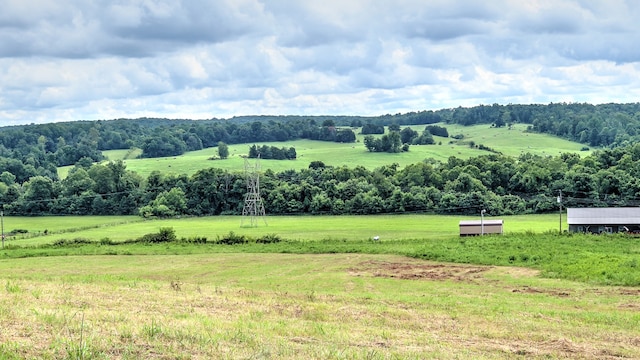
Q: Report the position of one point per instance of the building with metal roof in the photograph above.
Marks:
(480, 227)
(604, 220)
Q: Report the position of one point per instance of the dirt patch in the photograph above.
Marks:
(418, 271)
(632, 292)
(533, 290)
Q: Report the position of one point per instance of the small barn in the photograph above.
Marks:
(604, 220)
(480, 227)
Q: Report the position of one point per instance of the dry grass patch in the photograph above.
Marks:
(277, 306)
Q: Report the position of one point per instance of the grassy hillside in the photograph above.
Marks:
(515, 141)
(509, 142)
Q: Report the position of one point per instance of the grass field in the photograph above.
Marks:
(284, 306)
(312, 228)
(328, 292)
(509, 142)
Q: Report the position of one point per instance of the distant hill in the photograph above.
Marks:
(478, 140)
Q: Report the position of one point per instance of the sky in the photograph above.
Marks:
(65, 60)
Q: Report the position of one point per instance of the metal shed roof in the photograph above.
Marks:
(479, 222)
(604, 216)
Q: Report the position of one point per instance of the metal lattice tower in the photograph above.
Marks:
(253, 205)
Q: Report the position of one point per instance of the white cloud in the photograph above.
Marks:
(76, 59)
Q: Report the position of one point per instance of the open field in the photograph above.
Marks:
(516, 141)
(327, 291)
(510, 142)
(285, 306)
(530, 241)
(310, 228)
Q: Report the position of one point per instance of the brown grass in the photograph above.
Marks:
(276, 307)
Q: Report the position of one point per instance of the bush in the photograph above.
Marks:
(72, 242)
(232, 239)
(167, 234)
(269, 239)
(107, 241)
(194, 240)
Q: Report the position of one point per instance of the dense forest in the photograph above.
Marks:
(30, 154)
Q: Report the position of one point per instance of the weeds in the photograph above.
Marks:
(176, 285)
(194, 240)
(12, 288)
(152, 330)
(81, 349)
(269, 239)
(9, 351)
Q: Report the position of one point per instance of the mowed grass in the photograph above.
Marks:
(329, 292)
(43, 225)
(511, 142)
(516, 141)
(307, 228)
(330, 153)
(286, 306)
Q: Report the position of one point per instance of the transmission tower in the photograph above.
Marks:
(253, 206)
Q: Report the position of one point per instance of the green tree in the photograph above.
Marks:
(223, 150)
(77, 182)
(39, 194)
(407, 135)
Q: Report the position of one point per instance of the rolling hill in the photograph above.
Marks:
(510, 142)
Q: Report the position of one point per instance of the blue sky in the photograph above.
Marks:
(64, 60)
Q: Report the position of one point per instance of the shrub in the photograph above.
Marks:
(166, 234)
(232, 239)
(194, 240)
(269, 239)
(106, 241)
(72, 242)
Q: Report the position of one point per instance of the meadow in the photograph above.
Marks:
(256, 301)
(48, 229)
(89, 288)
(510, 142)
(327, 290)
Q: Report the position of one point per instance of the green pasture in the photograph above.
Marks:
(516, 141)
(331, 154)
(307, 228)
(42, 225)
(511, 142)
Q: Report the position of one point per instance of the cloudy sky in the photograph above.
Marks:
(63, 60)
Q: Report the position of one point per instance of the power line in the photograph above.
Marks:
(253, 205)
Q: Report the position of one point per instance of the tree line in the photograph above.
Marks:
(499, 184)
(272, 152)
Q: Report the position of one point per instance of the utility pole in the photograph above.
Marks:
(560, 203)
(2, 225)
(482, 221)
